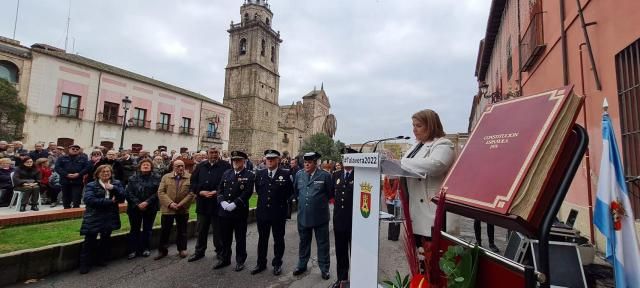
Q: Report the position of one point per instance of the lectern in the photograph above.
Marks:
(366, 213)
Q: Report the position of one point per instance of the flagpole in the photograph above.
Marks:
(15, 23)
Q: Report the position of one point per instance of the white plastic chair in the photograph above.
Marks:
(19, 194)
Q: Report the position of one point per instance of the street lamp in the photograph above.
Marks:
(126, 104)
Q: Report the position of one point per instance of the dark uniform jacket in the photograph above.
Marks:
(343, 195)
(313, 197)
(116, 167)
(128, 168)
(141, 188)
(35, 155)
(72, 164)
(207, 177)
(101, 214)
(238, 190)
(273, 194)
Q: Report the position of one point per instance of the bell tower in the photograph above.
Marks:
(252, 81)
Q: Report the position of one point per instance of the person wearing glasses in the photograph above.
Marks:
(101, 217)
(71, 168)
(175, 199)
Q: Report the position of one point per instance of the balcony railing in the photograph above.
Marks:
(139, 123)
(164, 127)
(250, 23)
(532, 42)
(109, 118)
(69, 112)
(213, 135)
(186, 130)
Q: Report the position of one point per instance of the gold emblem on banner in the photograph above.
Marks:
(365, 199)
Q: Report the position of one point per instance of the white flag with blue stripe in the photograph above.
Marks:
(613, 213)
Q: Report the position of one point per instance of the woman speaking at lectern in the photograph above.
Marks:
(431, 154)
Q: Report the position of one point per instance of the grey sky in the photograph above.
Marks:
(380, 60)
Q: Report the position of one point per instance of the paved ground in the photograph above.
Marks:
(6, 211)
(176, 272)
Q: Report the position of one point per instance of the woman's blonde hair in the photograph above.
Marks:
(431, 121)
(99, 170)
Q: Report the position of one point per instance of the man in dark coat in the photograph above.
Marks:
(204, 184)
(40, 152)
(128, 165)
(72, 168)
(110, 160)
(342, 218)
(312, 188)
(274, 186)
(235, 189)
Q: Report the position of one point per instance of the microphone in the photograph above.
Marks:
(375, 147)
(385, 139)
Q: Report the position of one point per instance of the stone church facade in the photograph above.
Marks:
(252, 86)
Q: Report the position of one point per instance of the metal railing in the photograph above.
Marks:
(186, 130)
(164, 127)
(139, 123)
(253, 22)
(213, 135)
(70, 112)
(109, 118)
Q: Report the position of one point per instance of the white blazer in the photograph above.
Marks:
(435, 159)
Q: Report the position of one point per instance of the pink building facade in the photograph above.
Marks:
(535, 45)
(74, 99)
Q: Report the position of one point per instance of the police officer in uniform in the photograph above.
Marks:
(274, 186)
(312, 188)
(342, 209)
(235, 189)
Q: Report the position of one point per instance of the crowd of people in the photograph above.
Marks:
(220, 185)
(40, 181)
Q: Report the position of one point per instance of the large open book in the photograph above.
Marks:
(507, 165)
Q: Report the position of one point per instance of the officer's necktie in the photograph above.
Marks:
(271, 174)
(346, 176)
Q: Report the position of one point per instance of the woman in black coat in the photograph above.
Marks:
(26, 179)
(142, 207)
(101, 216)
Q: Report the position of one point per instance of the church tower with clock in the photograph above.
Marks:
(252, 80)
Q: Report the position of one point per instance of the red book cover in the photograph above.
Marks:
(501, 149)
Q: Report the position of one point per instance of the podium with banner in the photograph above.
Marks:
(368, 169)
(366, 217)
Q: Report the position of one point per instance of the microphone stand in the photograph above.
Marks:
(365, 143)
(387, 139)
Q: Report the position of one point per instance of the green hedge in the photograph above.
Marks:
(31, 236)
